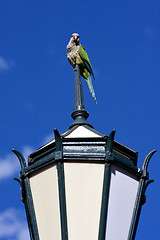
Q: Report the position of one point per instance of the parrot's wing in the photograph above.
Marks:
(84, 56)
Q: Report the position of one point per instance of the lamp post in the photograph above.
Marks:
(83, 184)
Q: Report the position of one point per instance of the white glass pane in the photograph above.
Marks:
(44, 187)
(83, 197)
(82, 132)
(123, 190)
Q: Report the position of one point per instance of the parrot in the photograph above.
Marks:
(77, 55)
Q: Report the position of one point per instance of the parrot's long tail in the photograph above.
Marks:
(90, 86)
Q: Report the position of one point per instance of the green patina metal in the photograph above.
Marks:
(141, 198)
(79, 114)
(106, 186)
(84, 149)
(103, 149)
(61, 184)
(26, 197)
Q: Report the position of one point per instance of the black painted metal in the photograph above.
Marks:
(26, 197)
(105, 198)
(23, 199)
(30, 211)
(46, 154)
(61, 184)
(98, 149)
(84, 149)
(78, 91)
(21, 159)
(62, 200)
(106, 186)
(79, 114)
(140, 199)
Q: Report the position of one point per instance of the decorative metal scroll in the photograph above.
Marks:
(141, 198)
(26, 197)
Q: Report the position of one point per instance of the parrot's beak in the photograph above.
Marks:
(75, 38)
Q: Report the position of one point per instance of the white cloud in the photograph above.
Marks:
(26, 151)
(5, 64)
(9, 165)
(48, 138)
(13, 225)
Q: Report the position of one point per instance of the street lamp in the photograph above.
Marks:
(83, 184)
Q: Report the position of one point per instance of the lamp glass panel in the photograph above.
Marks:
(83, 182)
(122, 196)
(44, 188)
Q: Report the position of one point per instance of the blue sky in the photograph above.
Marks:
(37, 87)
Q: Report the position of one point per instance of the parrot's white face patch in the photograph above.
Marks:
(75, 34)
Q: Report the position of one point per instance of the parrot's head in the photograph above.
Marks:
(75, 38)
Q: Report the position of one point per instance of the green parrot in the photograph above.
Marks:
(77, 55)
